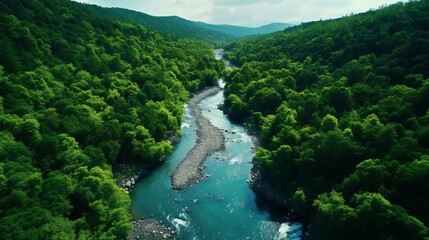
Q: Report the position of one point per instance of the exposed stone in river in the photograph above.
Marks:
(209, 140)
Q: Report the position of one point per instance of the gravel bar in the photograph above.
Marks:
(210, 139)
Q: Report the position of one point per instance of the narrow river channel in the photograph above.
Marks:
(219, 207)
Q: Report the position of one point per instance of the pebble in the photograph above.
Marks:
(150, 229)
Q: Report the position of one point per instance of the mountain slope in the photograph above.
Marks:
(239, 31)
(343, 111)
(180, 27)
(167, 25)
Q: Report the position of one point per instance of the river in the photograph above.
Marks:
(219, 207)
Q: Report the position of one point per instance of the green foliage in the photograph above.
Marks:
(371, 216)
(80, 91)
(239, 31)
(177, 27)
(329, 123)
(174, 26)
(342, 107)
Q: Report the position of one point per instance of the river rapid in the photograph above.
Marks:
(219, 207)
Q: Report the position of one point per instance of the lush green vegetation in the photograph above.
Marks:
(173, 26)
(80, 91)
(239, 31)
(342, 107)
(177, 27)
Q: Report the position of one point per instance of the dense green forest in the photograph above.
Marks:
(79, 92)
(239, 31)
(217, 35)
(342, 109)
(173, 26)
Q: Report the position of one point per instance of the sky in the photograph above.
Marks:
(252, 13)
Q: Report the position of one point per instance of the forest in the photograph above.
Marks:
(79, 92)
(341, 107)
(173, 26)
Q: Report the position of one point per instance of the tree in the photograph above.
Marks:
(333, 215)
(329, 123)
(56, 190)
(300, 203)
(265, 100)
(237, 108)
(336, 155)
(411, 187)
(370, 175)
(339, 98)
(383, 220)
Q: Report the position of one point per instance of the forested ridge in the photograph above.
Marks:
(239, 31)
(173, 26)
(79, 92)
(342, 109)
(177, 27)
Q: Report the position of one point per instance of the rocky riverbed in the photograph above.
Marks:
(127, 176)
(151, 229)
(209, 140)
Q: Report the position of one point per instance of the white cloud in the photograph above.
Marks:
(247, 12)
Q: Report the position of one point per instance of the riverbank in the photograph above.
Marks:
(126, 177)
(209, 140)
(263, 189)
(150, 229)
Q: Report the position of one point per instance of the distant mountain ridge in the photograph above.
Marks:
(236, 31)
(239, 31)
(165, 25)
(180, 27)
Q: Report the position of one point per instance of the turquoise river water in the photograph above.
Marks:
(219, 207)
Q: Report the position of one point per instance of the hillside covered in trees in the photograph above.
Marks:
(173, 26)
(79, 92)
(239, 31)
(177, 27)
(342, 109)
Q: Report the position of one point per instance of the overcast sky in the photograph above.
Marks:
(246, 12)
